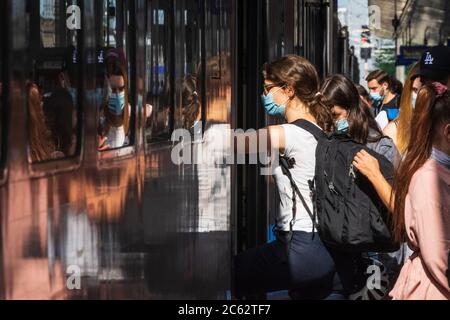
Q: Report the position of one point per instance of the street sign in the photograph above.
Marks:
(410, 54)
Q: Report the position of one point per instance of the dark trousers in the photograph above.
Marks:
(303, 265)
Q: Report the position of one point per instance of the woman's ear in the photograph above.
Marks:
(446, 131)
(290, 92)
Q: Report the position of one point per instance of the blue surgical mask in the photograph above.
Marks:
(342, 125)
(116, 103)
(441, 157)
(271, 107)
(414, 100)
(376, 97)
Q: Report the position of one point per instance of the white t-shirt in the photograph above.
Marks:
(116, 137)
(300, 145)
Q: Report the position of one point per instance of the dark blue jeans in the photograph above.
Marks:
(303, 265)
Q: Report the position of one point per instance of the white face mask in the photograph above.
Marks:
(441, 157)
(414, 99)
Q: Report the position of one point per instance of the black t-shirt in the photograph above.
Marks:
(392, 108)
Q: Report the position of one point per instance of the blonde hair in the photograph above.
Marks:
(406, 112)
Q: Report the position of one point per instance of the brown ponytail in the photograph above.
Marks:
(301, 75)
(321, 111)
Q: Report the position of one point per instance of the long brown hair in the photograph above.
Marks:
(191, 104)
(301, 75)
(40, 146)
(406, 112)
(115, 68)
(430, 112)
(340, 91)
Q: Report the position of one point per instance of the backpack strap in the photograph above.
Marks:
(287, 164)
(311, 128)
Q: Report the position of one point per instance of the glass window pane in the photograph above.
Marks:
(188, 44)
(56, 26)
(53, 82)
(113, 17)
(158, 66)
(113, 85)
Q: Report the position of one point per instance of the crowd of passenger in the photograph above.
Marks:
(53, 115)
(407, 124)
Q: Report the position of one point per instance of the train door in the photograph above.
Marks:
(3, 89)
(275, 24)
(250, 210)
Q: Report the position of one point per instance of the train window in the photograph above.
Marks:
(158, 70)
(188, 26)
(53, 24)
(113, 20)
(276, 33)
(114, 128)
(53, 79)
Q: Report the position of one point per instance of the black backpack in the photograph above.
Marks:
(350, 215)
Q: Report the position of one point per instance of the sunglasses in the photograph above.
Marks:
(269, 87)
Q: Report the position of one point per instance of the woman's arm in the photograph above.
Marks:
(250, 142)
(369, 167)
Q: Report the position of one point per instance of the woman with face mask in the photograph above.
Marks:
(420, 198)
(116, 111)
(354, 118)
(297, 260)
(399, 130)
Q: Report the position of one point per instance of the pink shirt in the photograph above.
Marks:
(427, 218)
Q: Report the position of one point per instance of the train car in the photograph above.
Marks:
(93, 98)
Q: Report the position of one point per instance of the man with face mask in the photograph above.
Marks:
(386, 101)
(60, 105)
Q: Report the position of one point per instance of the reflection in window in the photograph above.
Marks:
(158, 68)
(115, 113)
(41, 146)
(52, 87)
(53, 23)
(113, 17)
(189, 114)
(276, 32)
